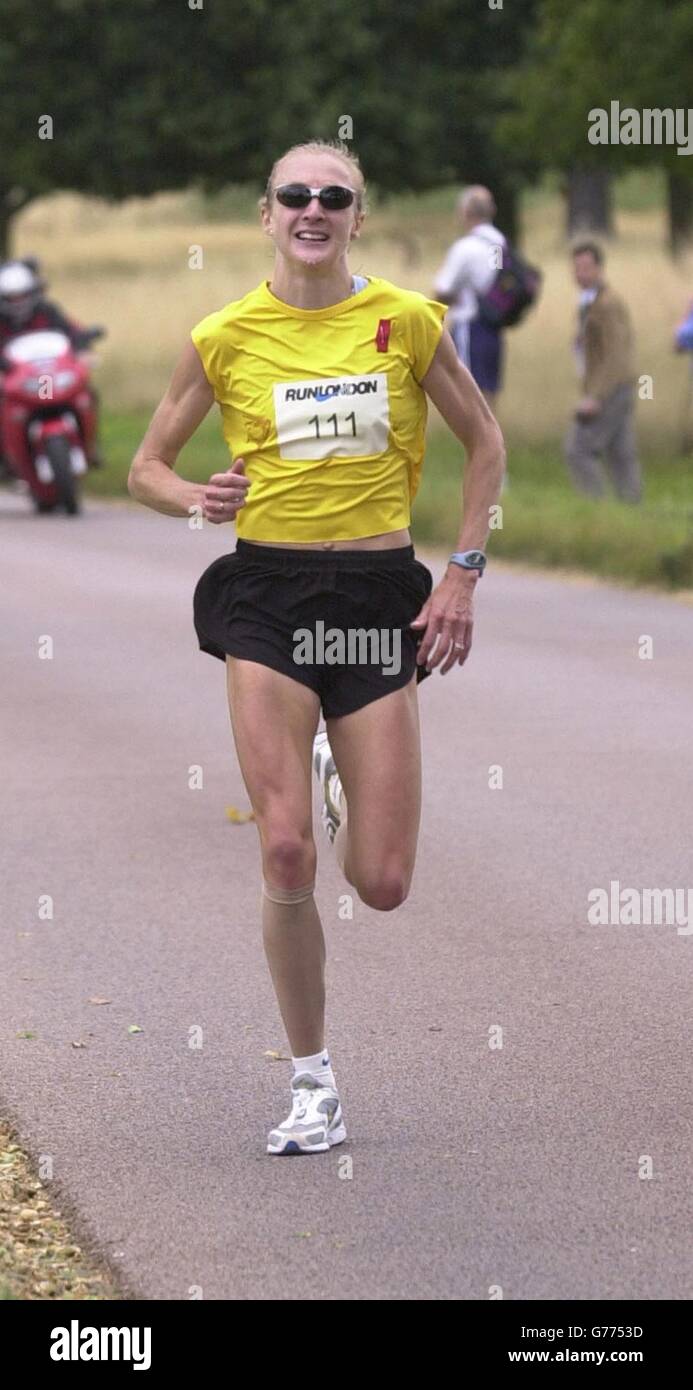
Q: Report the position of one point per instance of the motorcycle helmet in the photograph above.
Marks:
(20, 291)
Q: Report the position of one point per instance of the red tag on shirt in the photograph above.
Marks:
(382, 337)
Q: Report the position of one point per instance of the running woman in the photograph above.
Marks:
(321, 378)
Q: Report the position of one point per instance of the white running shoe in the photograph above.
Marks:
(315, 1122)
(330, 785)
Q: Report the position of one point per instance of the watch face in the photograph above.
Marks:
(476, 557)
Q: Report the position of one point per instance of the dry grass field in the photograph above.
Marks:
(127, 267)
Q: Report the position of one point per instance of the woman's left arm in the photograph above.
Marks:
(448, 613)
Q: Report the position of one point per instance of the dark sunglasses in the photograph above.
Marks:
(298, 195)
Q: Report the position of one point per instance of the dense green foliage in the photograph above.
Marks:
(146, 96)
(581, 57)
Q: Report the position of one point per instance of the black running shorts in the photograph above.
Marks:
(337, 621)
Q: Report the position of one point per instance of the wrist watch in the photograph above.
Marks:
(469, 560)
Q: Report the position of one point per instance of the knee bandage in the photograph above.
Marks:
(288, 895)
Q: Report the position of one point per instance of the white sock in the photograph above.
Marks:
(318, 1066)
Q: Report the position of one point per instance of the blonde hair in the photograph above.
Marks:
(334, 147)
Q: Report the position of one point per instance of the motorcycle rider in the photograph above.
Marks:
(23, 309)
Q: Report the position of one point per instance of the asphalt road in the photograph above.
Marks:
(471, 1166)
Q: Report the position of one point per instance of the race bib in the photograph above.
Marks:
(334, 417)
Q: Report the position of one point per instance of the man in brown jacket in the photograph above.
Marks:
(603, 426)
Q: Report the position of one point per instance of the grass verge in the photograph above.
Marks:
(39, 1258)
(544, 521)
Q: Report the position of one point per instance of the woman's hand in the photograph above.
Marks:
(225, 494)
(448, 619)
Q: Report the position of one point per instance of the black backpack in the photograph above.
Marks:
(514, 290)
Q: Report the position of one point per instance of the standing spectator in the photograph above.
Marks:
(603, 427)
(469, 270)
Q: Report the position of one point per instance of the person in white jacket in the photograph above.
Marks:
(468, 271)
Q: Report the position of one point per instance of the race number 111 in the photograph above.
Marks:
(332, 419)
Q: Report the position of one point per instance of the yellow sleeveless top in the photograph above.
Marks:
(325, 407)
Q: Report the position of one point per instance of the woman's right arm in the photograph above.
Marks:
(152, 479)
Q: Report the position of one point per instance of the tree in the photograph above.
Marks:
(423, 85)
(35, 57)
(134, 99)
(680, 208)
(143, 96)
(580, 60)
(589, 201)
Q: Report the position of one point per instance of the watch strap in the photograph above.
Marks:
(469, 560)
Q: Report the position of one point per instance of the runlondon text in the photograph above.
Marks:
(323, 393)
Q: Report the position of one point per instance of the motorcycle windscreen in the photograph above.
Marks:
(37, 347)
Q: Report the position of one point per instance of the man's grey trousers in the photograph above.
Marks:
(607, 438)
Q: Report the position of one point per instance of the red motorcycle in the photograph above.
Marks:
(48, 415)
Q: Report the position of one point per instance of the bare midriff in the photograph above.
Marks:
(389, 541)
